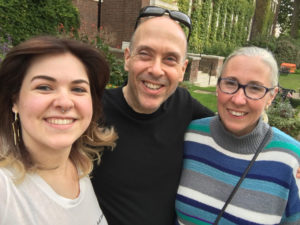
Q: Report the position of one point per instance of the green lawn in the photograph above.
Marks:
(208, 100)
(290, 81)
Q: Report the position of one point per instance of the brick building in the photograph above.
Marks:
(116, 18)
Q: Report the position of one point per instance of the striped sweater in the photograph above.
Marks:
(215, 159)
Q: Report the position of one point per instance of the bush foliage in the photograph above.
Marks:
(21, 19)
(285, 49)
(219, 26)
(282, 115)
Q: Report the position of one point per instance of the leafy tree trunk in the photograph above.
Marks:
(295, 19)
(275, 18)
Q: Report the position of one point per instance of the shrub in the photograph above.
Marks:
(282, 115)
(287, 51)
(22, 19)
(295, 103)
(118, 75)
(5, 45)
(101, 39)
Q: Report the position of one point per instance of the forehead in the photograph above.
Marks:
(250, 68)
(162, 33)
(62, 64)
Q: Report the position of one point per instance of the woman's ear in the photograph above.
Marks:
(272, 96)
(15, 108)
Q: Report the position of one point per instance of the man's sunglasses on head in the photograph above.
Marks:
(158, 11)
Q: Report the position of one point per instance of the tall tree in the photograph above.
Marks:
(295, 20)
(289, 17)
(274, 25)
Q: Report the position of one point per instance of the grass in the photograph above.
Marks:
(208, 100)
(290, 81)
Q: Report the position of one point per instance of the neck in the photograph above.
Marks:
(51, 159)
(128, 97)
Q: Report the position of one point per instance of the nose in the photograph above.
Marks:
(63, 101)
(155, 67)
(239, 98)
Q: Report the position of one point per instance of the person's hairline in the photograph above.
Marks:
(145, 19)
(263, 58)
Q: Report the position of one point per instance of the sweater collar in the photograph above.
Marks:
(246, 144)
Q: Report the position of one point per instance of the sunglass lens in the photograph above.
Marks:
(153, 11)
(181, 17)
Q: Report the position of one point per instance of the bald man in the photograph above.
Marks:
(136, 183)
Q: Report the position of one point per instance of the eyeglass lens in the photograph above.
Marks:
(252, 91)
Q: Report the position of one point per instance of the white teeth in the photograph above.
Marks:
(152, 86)
(60, 121)
(237, 113)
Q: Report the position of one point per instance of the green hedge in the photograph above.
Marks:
(219, 26)
(21, 19)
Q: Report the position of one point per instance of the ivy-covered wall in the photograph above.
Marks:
(21, 19)
(219, 26)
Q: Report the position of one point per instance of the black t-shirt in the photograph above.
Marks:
(136, 183)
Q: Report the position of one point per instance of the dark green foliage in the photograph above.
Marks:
(117, 73)
(22, 19)
(289, 18)
(183, 5)
(285, 49)
(219, 26)
(295, 102)
(284, 16)
(282, 115)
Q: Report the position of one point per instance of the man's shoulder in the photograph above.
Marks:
(112, 93)
(182, 94)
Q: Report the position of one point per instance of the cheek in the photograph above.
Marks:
(32, 105)
(86, 108)
(222, 98)
(258, 106)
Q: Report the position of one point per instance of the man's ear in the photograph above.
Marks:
(183, 69)
(126, 58)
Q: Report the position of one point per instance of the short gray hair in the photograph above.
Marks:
(265, 55)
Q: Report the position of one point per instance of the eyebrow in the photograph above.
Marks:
(148, 48)
(45, 77)
(255, 82)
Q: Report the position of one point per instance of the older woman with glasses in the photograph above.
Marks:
(237, 169)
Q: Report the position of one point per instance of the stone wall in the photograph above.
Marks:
(211, 64)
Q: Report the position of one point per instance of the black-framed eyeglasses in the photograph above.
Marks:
(252, 91)
(158, 11)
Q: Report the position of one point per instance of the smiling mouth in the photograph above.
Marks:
(60, 121)
(152, 86)
(235, 113)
